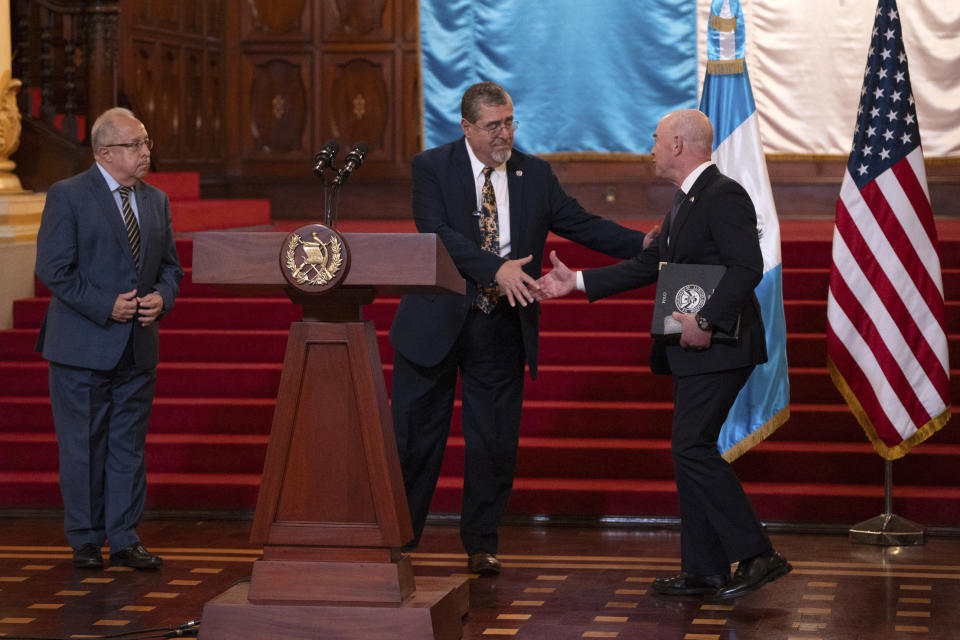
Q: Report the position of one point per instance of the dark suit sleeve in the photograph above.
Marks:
(572, 221)
(433, 200)
(57, 260)
(637, 272)
(733, 226)
(170, 273)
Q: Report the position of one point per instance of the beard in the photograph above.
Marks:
(501, 155)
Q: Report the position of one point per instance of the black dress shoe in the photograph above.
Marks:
(689, 584)
(486, 564)
(88, 557)
(137, 557)
(753, 573)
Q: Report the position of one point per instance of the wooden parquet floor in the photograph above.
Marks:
(557, 583)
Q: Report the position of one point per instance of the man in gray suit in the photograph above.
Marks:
(106, 251)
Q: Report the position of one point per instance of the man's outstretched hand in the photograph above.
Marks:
(558, 283)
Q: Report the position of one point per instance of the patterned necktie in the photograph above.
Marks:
(487, 297)
(130, 222)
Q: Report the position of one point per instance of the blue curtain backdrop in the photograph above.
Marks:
(584, 76)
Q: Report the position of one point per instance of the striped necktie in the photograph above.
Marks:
(130, 222)
(487, 297)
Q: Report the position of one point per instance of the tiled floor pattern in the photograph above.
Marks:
(557, 584)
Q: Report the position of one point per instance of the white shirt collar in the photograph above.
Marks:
(687, 183)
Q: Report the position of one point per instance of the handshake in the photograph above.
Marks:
(520, 288)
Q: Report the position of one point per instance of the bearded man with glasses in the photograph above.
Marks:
(492, 206)
(106, 251)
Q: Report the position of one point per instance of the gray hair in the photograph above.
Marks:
(485, 93)
(104, 128)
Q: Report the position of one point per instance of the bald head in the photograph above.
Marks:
(695, 129)
(683, 141)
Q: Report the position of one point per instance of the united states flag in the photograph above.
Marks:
(886, 328)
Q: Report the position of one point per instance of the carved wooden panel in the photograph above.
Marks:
(162, 14)
(193, 104)
(192, 16)
(359, 98)
(213, 107)
(169, 114)
(214, 16)
(352, 21)
(411, 107)
(276, 105)
(286, 21)
(411, 21)
(142, 86)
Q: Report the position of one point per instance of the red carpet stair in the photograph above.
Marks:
(595, 434)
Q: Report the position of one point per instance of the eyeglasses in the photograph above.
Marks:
(134, 146)
(493, 128)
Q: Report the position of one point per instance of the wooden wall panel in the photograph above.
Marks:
(359, 91)
(352, 21)
(172, 74)
(276, 106)
(141, 81)
(269, 20)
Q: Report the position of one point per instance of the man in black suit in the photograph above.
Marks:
(105, 249)
(712, 222)
(492, 207)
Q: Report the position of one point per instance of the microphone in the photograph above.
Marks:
(352, 162)
(324, 158)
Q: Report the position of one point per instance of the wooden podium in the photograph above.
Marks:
(332, 514)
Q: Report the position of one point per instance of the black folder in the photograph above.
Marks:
(686, 288)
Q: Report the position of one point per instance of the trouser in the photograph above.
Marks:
(101, 423)
(717, 523)
(488, 356)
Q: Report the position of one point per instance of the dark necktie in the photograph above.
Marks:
(487, 297)
(130, 222)
(678, 199)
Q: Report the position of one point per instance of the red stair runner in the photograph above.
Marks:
(595, 432)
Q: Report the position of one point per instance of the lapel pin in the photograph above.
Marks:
(518, 173)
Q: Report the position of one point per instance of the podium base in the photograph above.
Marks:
(887, 530)
(434, 612)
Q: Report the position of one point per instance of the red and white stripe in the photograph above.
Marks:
(886, 326)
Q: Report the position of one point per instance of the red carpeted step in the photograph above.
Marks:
(209, 415)
(206, 214)
(617, 458)
(171, 453)
(174, 379)
(178, 185)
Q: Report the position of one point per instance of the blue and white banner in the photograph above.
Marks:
(584, 76)
(764, 403)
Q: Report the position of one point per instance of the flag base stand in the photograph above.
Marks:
(887, 529)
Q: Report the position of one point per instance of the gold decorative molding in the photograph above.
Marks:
(9, 132)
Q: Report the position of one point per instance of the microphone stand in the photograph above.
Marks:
(331, 196)
(331, 203)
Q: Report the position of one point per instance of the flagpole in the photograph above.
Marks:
(887, 529)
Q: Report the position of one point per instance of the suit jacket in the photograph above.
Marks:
(444, 198)
(84, 258)
(715, 224)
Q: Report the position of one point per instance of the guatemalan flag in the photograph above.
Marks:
(764, 403)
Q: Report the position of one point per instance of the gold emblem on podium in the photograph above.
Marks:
(314, 258)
